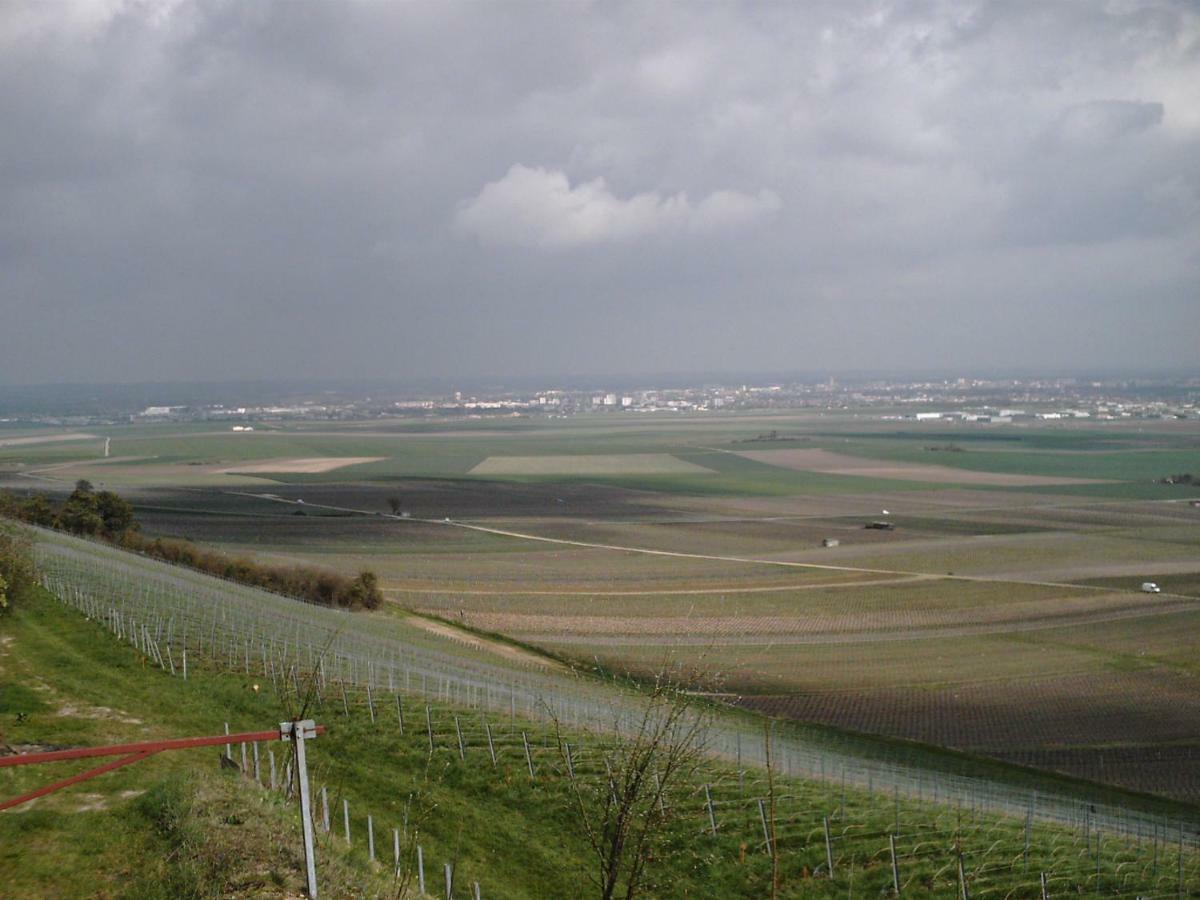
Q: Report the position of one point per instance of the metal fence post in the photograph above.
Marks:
(895, 865)
(712, 818)
(762, 815)
(828, 846)
(528, 756)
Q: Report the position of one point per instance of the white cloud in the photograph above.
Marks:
(537, 207)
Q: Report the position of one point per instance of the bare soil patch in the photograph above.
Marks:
(830, 463)
(46, 439)
(96, 712)
(303, 466)
(590, 464)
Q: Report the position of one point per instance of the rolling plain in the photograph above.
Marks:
(999, 614)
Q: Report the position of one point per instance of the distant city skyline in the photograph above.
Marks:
(199, 192)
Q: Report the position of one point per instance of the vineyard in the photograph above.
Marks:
(186, 622)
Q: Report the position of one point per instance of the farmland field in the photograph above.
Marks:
(588, 464)
(999, 613)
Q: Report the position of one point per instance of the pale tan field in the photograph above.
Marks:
(307, 466)
(830, 463)
(117, 473)
(46, 439)
(590, 464)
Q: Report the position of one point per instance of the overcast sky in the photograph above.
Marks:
(218, 190)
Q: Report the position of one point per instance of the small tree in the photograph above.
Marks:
(16, 566)
(625, 814)
(394, 502)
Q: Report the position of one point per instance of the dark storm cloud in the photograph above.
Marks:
(221, 189)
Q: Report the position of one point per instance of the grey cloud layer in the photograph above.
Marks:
(227, 189)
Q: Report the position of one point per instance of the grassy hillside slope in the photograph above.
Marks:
(177, 825)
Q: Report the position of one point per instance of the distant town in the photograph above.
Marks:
(984, 401)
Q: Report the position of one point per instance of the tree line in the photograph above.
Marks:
(106, 515)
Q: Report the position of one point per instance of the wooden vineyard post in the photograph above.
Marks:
(298, 733)
(712, 818)
(325, 808)
(420, 870)
(462, 751)
(346, 818)
(1045, 891)
(370, 838)
(449, 872)
(962, 879)
(399, 714)
(429, 727)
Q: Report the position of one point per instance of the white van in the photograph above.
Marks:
(1149, 587)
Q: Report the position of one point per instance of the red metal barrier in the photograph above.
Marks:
(129, 753)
